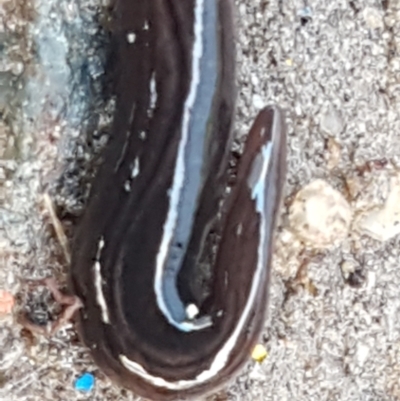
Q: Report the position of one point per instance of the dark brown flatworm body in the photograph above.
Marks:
(174, 290)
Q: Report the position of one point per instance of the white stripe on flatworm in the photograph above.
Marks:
(153, 95)
(127, 186)
(221, 359)
(155, 381)
(128, 135)
(179, 177)
(136, 168)
(132, 115)
(98, 284)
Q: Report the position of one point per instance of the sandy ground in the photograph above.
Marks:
(334, 66)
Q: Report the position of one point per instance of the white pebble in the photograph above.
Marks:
(383, 223)
(258, 102)
(319, 215)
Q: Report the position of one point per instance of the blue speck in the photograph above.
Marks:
(306, 12)
(85, 382)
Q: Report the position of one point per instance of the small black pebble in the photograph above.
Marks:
(356, 279)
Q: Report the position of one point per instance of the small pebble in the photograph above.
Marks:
(352, 273)
(84, 383)
(191, 311)
(332, 122)
(373, 18)
(362, 353)
(258, 102)
(305, 12)
(320, 216)
(383, 223)
(305, 15)
(6, 302)
(333, 153)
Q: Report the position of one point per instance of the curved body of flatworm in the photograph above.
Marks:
(174, 286)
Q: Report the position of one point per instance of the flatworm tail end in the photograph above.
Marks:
(243, 263)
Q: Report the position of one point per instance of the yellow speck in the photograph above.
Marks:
(289, 62)
(259, 353)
